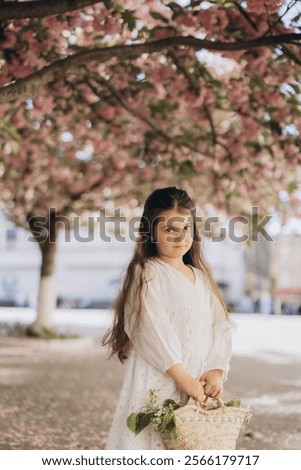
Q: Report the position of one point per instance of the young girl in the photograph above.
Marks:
(171, 325)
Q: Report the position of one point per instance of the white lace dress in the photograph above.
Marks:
(182, 323)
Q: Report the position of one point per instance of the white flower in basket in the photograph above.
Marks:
(213, 426)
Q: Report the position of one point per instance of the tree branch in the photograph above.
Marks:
(55, 70)
(291, 55)
(133, 111)
(88, 188)
(209, 117)
(192, 80)
(245, 15)
(41, 9)
(273, 25)
(92, 106)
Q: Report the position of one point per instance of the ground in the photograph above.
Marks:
(61, 394)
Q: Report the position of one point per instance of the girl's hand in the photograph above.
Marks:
(187, 382)
(194, 388)
(213, 383)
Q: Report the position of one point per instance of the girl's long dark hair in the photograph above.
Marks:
(160, 200)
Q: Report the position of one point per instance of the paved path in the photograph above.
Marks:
(61, 394)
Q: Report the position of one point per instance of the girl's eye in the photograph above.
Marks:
(170, 229)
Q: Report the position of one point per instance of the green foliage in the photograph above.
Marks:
(169, 103)
(292, 186)
(275, 127)
(257, 81)
(129, 18)
(163, 107)
(185, 168)
(44, 333)
(8, 128)
(157, 16)
(136, 422)
(28, 331)
(162, 416)
(234, 402)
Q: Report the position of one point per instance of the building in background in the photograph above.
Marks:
(285, 273)
(89, 269)
(273, 270)
(263, 277)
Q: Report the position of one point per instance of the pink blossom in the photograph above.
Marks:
(238, 92)
(237, 100)
(214, 20)
(18, 119)
(4, 79)
(107, 112)
(142, 13)
(257, 60)
(162, 73)
(111, 26)
(19, 69)
(161, 91)
(43, 103)
(3, 109)
(18, 24)
(250, 128)
(46, 44)
(242, 24)
(73, 19)
(186, 20)
(9, 41)
(52, 23)
(210, 96)
(163, 33)
(28, 36)
(260, 6)
(208, 18)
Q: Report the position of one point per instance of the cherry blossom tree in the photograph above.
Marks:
(107, 99)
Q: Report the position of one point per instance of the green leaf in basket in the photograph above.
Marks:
(247, 417)
(234, 402)
(167, 417)
(173, 403)
(143, 420)
(172, 429)
(132, 422)
(178, 405)
(136, 422)
(169, 401)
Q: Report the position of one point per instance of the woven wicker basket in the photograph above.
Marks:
(207, 429)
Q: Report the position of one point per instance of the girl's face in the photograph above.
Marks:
(173, 233)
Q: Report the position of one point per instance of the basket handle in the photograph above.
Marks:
(218, 400)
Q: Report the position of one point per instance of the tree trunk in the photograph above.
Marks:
(47, 290)
(47, 296)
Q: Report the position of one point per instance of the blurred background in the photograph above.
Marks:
(262, 276)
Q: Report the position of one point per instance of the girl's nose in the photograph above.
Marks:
(181, 234)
